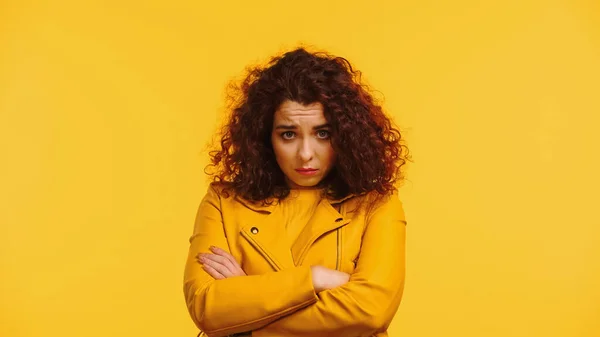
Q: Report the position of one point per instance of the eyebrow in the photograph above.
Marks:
(292, 127)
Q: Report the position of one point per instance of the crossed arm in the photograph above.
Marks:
(300, 301)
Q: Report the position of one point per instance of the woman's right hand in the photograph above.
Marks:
(220, 264)
(324, 278)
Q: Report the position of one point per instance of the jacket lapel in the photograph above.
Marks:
(325, 219)
(269, 237)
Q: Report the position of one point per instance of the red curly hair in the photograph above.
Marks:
(369, 151)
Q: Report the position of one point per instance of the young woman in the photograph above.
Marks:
(301, 232)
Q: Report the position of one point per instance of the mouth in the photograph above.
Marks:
(307, 171)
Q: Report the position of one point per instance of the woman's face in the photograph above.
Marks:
(301, 142)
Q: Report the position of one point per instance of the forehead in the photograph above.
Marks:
(290, 111)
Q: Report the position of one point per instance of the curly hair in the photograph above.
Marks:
(369, 150)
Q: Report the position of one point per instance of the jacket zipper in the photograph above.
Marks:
(342, 211)
(337, 258)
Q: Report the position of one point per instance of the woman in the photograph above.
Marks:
(301, 232)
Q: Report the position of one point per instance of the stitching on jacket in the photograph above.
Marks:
(263, 251)
(281, 313)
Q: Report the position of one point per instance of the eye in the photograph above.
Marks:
(288, 135)
(323, 134)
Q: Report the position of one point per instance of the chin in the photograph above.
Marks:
(307, 182)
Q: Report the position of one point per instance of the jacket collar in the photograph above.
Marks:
(259, 207)
(266, 235)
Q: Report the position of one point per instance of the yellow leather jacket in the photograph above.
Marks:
(277, 298)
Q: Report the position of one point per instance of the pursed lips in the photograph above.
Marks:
(307, 172)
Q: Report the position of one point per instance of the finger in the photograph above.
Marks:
(221, 260)
(208, 260)
(228, 256)
(224, 253)
(212, 272)
(224, 271)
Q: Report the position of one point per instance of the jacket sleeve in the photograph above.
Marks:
(237, 304)
(368, 302)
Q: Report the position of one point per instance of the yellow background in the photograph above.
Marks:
(105, 109)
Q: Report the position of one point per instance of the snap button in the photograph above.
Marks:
(254, 230)
(338, 219)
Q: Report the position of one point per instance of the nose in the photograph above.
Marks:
(306, 150)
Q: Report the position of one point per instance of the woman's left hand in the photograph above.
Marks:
(220, 265)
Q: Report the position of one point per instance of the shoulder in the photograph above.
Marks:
(226, 197)
(389, 206)
(216, 189)
(215, 194)
(374, 204)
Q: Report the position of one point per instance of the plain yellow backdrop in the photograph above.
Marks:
(106, 107)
